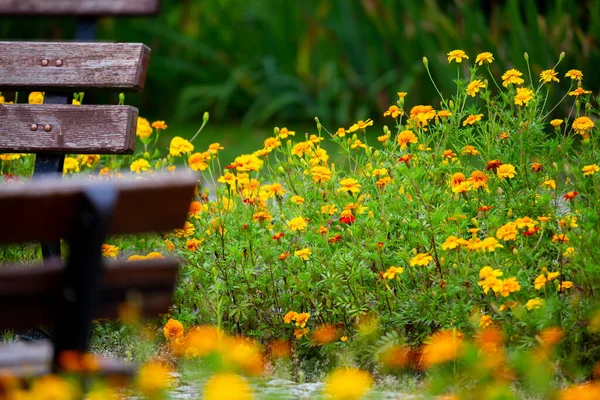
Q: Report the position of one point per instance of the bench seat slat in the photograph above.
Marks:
(43, 210)
(116, 66)
(79, 7)
(86, 129)
(30, 295)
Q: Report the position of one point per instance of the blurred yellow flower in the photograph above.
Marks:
(227, 386)
(139, 166)
(159, 125)
(441, 347)
(421, 259)
(392, 272)
(534, 303)
(143, 130)
(284, 133)
(108, 250)
(590, 169)
(347, 384)
(303, 253)
(153, 378)
(556, 122)
(36, 98)
(180, 146)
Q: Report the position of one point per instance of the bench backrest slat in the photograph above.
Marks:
(79, 7)
(73, 129)
(62, 66)
(43, 210)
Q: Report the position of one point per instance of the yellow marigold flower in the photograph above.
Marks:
(485, 321)
(361, 125)
(574, 74)
(512, 76)
(422, 259)
(441, 347)
(357, 144)
(549, 184)
(50, 387)
(569, 251)
(180, 146)
(392, 272)
(143, 130)
(452, 242)
(383, 182)
(474, 86)
(173, 329)
(485, 57)
(297, 224)
(489, 279)
(507, 232)
(583, 125)
(139, 166)
(489, 244)
(193, 244)
(302, 318)
(402, 95)
(525, 222)
(290, 316)
(590, 169)
(214, 148)
(187, 230)
(88, 160)
(539, 282)
(341, 132)
(261, 216)
(470, 150)
(347, 384)
(556, 122)
(198, 161)
(247, 162)
(560, 238)
(36, 98)
(509, 285)
(329, 209)
(284, 133)
(108, 250)
(471, 119)
(420, 115)
(227, 386)
(534, 303)
(405, 138)
(582, 391)
(272, 142)
(160, 125)
(506, 171)
(298, 333)
(302, 148)
(379, 172)
(227, 178)
(393, 111)
(70, 166)
(444, 114)
(457, 56)
(153, 378)
(297, 199)
(349, 185)
(548, 76)
(565, 285)
(478, 179)
(303, 253)
(579, 91)
(523, 96)
(383, 138)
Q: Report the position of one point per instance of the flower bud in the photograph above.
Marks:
(515, 251)
(276, 131)
(425, 62)
(475, 222)
(500, 191)
(205, 117)
(555, 165)
(317, 120)
(121, 98)
(509, 214)
(376, 154)
(562, 55)
(281, 170)
(451, 104)
(413, 251)
(354, 137)
(526, 56)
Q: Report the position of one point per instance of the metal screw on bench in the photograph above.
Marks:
(45, 62)
(59, 63)
(33, 127)
(47, 127)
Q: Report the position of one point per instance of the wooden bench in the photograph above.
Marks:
(67, 295)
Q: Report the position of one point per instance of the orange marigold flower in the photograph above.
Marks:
(574, 74)
(405, 158)
(565, 285)
(457, 56)
(324, 334)
(422, 259)
(441, 347)
(278, 236)
(334, 239)
(570, 195)
(478, 179)
(507, 232)
(548, 76)
(285, 132)
(560, 238)
(173, 329)
(347, 217)
(579, 91)
(444, 114)
(471, 150)
(583, 125)
(474, 86)
(485, 57)
(536, 167)
(283, 256)
(393, 111)
(420, 115)
(193, 244)
(159, 125)
(485, 208)
(405, 138)
(512, 76)
(472, 119)
(108, 250)
(523, 96)
(198, 161)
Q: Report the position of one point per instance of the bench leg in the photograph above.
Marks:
(83, 271)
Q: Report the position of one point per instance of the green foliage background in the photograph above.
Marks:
(263, 62)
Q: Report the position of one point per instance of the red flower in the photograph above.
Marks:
(570, 195)
(347, 219)
(493, 165)
(232, 165)
(405, 158)
(283, 256)
(278, 236)
(531, 231)
(485, 208)
(379, 245)
(335, 239)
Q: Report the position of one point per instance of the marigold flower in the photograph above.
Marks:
(444, 114)
(248, 162)
(478, 179)
(357, 144)
(70, 166)
(579, 91)
(160, 125)
(507, 232)
(297, 199)
(539, 282)
(88, 160)
(509, 285)
(485, 321)
(298, 333)
(448, 154)
(187, 230)
(285, 132)
(574, 74)
(392, 272)
(471, 150)
(489, 244)
(361, 125)
(227, 386)
(472, 119)
(549, 184)
(214, 148)
(347, 383)
(441, 347)
(173, 329)
(534, 303)
(193, 244)
(582, 125)
(556, 122)
(485, 209)
(347, 217)
(485, 57)
(570, 195)
(453, 242)
(303, 253)
(271, 143)
(324, 334)
(457, 56)
(474, 86)
(420, 115)
(49, 387)
(36, 98)
(108, 250)
(512, 76)
(180, 146)
(565, 285)
(153, 378)
(548, 76)
(590, 169)
(283, 256)
(334, 239)
(198, 161)
(297, 224)
(349, 185)
(506, 171)
(405, 158)
(560, 238)
(493, 165)
(393, 111)
(261, 216)
(523, 96)
(422, 259)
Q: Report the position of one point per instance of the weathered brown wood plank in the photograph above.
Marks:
(79, 7)
(56, 66)
(31, 295)
(43, 210)
(73, 129)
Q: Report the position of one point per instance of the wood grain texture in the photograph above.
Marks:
(44, 210)
(31, 295)
(79, 7)
(107, 66)
(75, 129)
